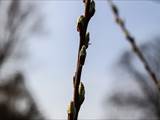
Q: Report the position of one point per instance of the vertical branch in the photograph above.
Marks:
(79, 90)
(132, 42)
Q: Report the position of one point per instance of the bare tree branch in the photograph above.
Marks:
(79, 90)
(132, 42)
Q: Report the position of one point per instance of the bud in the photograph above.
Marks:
(82, 55)
(86, 40)
(80, 23)
(115, 9)
(120, 21)
(81, 92)
(92, 8)
(71, 110)
(74, 80)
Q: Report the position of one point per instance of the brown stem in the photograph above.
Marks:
(73, 115)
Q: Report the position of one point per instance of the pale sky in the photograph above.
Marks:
(52, 57)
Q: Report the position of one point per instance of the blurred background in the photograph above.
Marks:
(41, 41)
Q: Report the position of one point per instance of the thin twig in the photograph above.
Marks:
(79, 91)
(132, 42)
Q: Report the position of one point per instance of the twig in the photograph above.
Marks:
(79, 90)
(132, 42)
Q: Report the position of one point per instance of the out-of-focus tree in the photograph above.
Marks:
(135, 95)
(18, 20)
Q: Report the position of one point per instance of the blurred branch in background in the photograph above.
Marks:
(135, 96)
(146, 98)
(132, 42)
(16, 102)
(18, 22)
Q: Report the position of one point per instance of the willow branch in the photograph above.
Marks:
(132, 42)
(79, 90)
